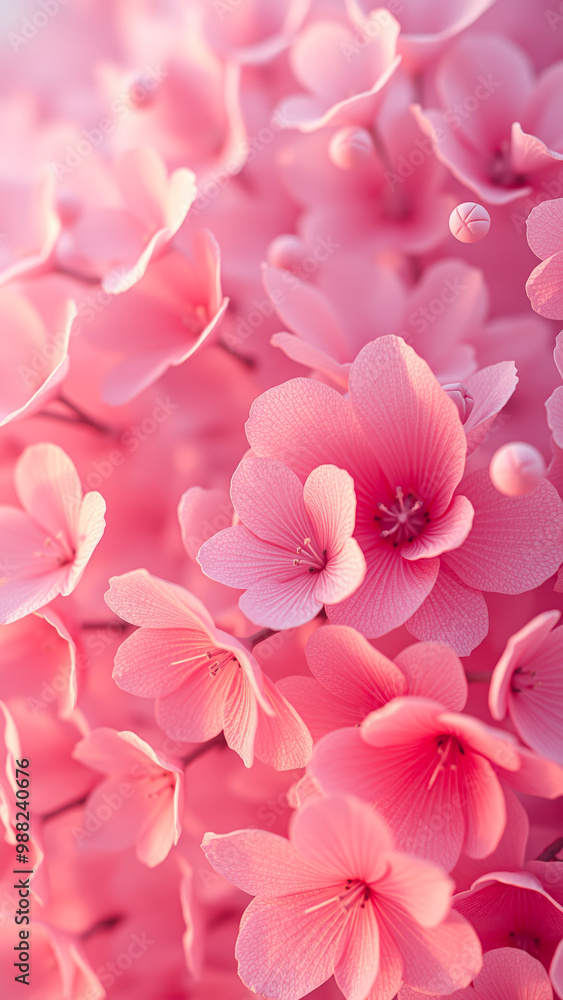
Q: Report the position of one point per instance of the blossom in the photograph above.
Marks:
(434, 775)
(544, 287)
(527, 683)
(294, 551)
(351, 678)
(506, 972)
(139, 803)
(204, 680)
(337, 898)
(46, 546)
(431, 540)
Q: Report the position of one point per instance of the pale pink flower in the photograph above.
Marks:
(517, 910)
(429, 549)
(337, 898)
(294, 551)
(342, 80)
(36, 318)
(46, 546)
(115, 241)
(527, 684)
(497, 128)
(544, 287)
(351, 678)
(204, 680)
(507, 974)
(433, 775)
(140, 801)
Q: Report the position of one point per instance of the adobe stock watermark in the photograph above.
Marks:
(32, 25)
(454, 116)
(247, 151)
(146, 82)
(424, 315)
(324, 248)
(371, 29)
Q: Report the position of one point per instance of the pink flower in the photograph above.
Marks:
(343, 80)
(294, 551)
(429, 550)
(527, 683)
(506, 972)
(139, 803)
(496, 129)
(337, 898)
(433, 775)
(516, 910)
(351, 678)
(204, 680)
(544, 287)
(36, 320)
(46, 546)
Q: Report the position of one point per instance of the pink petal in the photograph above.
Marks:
(554, 408)
(509, 853)
(352, 670)
(521, 647)
(284, 950)
(331, 505)
(536, 775)
(268, 498)
(302, 352)
(143, 599)
(515, 543)
(536, 703)
(240, 715)
(452, 613)
(90, 528)
(544, 287)
(306, 424)
(391, 387)
(544, 228)
(417, 887)
(343, 836)
(48, 487)
(431, 956)
(282, 740)
(512, 974)
(434, 671)
(195, 712)
(306, 311)
(485, 807)
(491, 389)
(357, 964)
(443, 533)
(280, 604)
(392, 591)
(322, 712)
(155, 662)
(342, 575)
(261, 863)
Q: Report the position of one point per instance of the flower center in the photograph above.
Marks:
(58, 548)
(309, 557)
(523, 680)
(527, 941)
(448, 749)
(403, 520)
(355, 892)
(214, 659)
(501, 171)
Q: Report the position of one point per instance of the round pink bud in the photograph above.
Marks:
(461, 397)
(516, 469)
(351, 147)
(469, 222)
(286, 252)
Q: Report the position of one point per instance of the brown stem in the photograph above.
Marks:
(549, 852)
(478, 676)
(261, 636)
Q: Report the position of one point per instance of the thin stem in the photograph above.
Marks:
(83, 417)
(260, 636)
(217, 741)
(478, 676)
(549, 853)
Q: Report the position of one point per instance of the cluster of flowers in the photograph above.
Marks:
(281, 513)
